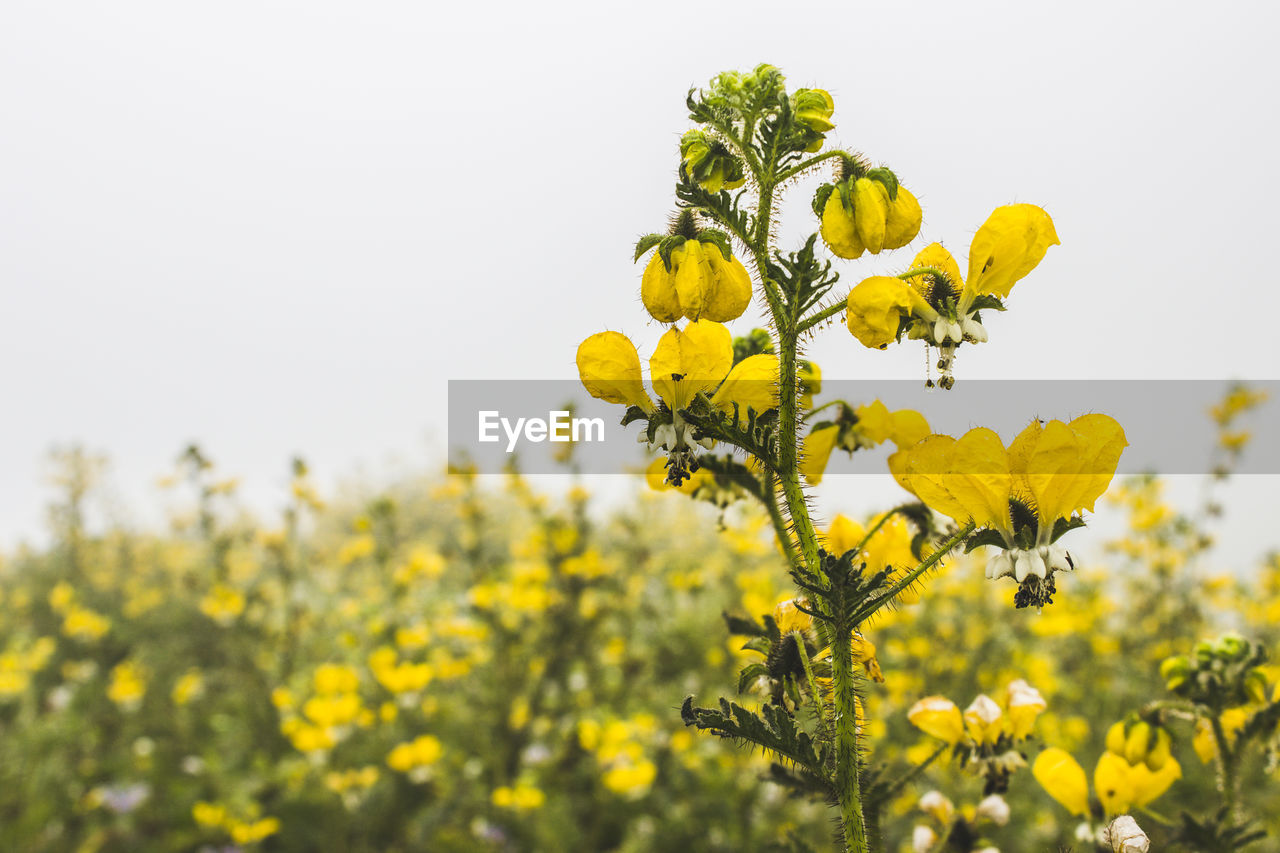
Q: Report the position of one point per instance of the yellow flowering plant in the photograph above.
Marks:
(735, 418)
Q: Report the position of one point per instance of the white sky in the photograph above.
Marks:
(279, 228)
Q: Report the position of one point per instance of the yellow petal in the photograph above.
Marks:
(984, 720)
(903, 222)
(1149, 786)
(843, 535)
(874, 421)
(870, 212)
(908, 427)
(938, 717)
(693, 277)
(966, 479)
(874, 308)
(816, 452)
(658, 291)
(1112, 783)
(1009, 245)
(1064, 779)
(1067, 467)
(731, 287)
(838, 230)
(936, 256)
(699, 356)
(610, 370)
(752, 383)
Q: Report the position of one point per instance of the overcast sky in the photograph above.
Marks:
(280, 228)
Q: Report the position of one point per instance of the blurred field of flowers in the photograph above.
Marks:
(456, 666)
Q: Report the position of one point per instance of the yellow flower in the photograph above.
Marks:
(1048, 473)
(859, 215)
(1064, 779)
(943, 308)
(875, 308)
(700, 282)
(939, 717)
(866, 426)
(686, 364)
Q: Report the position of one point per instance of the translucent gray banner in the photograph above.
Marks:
(533, 424)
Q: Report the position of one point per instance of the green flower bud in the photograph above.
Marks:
(1175, 671)
(1255, 685)
(1232, 647)
(813, 109)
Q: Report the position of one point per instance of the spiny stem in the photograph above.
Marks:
(1226, 767)
(832, 310)
(810, 163)
(911, 576)
(848, 785)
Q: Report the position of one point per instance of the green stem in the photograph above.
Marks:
(809, 164)
(1226, 767)
(911, 576)
(770, 489)
(848, 785)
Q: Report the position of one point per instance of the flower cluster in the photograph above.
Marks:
(935, 303)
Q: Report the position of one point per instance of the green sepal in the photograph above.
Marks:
(1062, 525)
(749, 674)
(987, 302)
(846, 195)
(820, 198)
(646, 243)
(667, 246)
(717, 238)
(632, 414)
(758, 644)
(987, 536)
(746, 627)
(886, 177)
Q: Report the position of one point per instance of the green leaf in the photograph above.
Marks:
(774, 730)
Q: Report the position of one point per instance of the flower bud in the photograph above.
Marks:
(983, 720)
(993, 808)
(1160, 752)
(1137, 742)
(936, 805)
(937, 716)
(813, 109)
(1115, 738)
(1175, 671)
(1123, 835)
(1255, 685)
